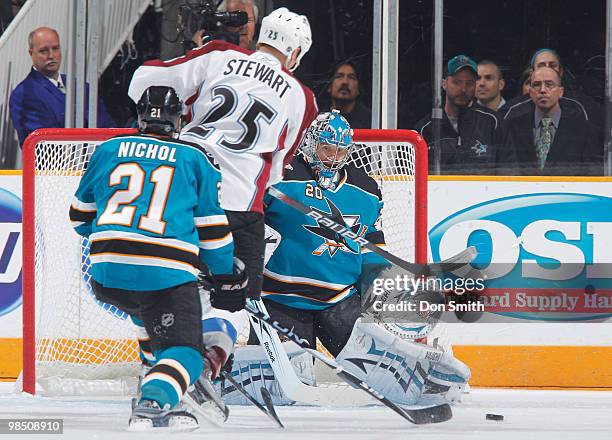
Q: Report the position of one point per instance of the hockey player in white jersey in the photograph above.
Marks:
(247, 110)
(313, 281)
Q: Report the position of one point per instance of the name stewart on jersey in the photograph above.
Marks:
(149, 150)
(259, 71)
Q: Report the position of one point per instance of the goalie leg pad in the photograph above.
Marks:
(448, 378)
(394, 367)
(252, 369)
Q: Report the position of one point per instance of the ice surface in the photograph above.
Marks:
(541, 415)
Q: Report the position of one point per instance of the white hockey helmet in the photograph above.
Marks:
(286, 31)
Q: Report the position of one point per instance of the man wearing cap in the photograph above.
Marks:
(468, 136)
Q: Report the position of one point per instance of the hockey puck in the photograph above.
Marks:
(496, 417)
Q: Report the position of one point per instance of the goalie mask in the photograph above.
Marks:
(159, 111)
(327, 147)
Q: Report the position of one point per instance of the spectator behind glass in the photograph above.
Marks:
(522, 91)
(490, 85)
(246, 31)
(469, 132)
(39, 100)
(550, 135)
(344, 91)
(523, 83)
(550, 58)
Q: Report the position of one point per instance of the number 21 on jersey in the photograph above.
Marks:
(119, 210)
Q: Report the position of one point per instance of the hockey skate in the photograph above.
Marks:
(148, 416)
(203, 399)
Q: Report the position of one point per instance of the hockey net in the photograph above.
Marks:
(75, 345)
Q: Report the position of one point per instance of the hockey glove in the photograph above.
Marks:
(227, 292)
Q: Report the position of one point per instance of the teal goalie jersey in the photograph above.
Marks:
(149, 208)
(313, 267)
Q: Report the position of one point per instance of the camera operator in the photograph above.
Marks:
(204, 20)
(246, 31)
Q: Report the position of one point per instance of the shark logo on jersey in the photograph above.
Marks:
(479, 148)
(333, 240)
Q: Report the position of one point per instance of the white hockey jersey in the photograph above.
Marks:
(246, 109)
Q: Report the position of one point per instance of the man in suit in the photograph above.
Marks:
(549, 135)
(39, 100)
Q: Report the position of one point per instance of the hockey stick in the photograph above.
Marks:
(284, 373)
(453, 263)
(267, 410)
(435, 414)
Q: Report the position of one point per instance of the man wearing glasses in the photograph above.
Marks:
(572, 94)
(549, 136)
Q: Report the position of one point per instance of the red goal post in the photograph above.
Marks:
(54, 159)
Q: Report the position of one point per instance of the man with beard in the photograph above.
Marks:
(39, 100)
(344, 90)
(468, 138)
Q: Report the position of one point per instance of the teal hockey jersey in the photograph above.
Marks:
(313, 267)
(150, 209)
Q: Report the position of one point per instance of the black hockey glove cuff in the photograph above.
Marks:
(227, 292)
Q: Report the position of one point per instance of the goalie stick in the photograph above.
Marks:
(268, 409)
(434, 414)
(453, 263)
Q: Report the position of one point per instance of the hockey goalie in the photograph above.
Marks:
(318, 283)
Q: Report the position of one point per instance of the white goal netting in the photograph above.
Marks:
(84, 347)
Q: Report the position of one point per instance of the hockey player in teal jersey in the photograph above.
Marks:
(314, 279)
(149, 206)
(313, 274)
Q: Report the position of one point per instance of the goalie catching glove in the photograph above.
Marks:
(227, 292)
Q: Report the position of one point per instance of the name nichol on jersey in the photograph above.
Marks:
(259, 71)
(150, 151)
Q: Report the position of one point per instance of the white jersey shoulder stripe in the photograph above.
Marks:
(342, 295)
(216, 243)
(82, 206)
(211, 220)
(304, 280)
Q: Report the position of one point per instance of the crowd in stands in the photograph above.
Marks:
(547, 128)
